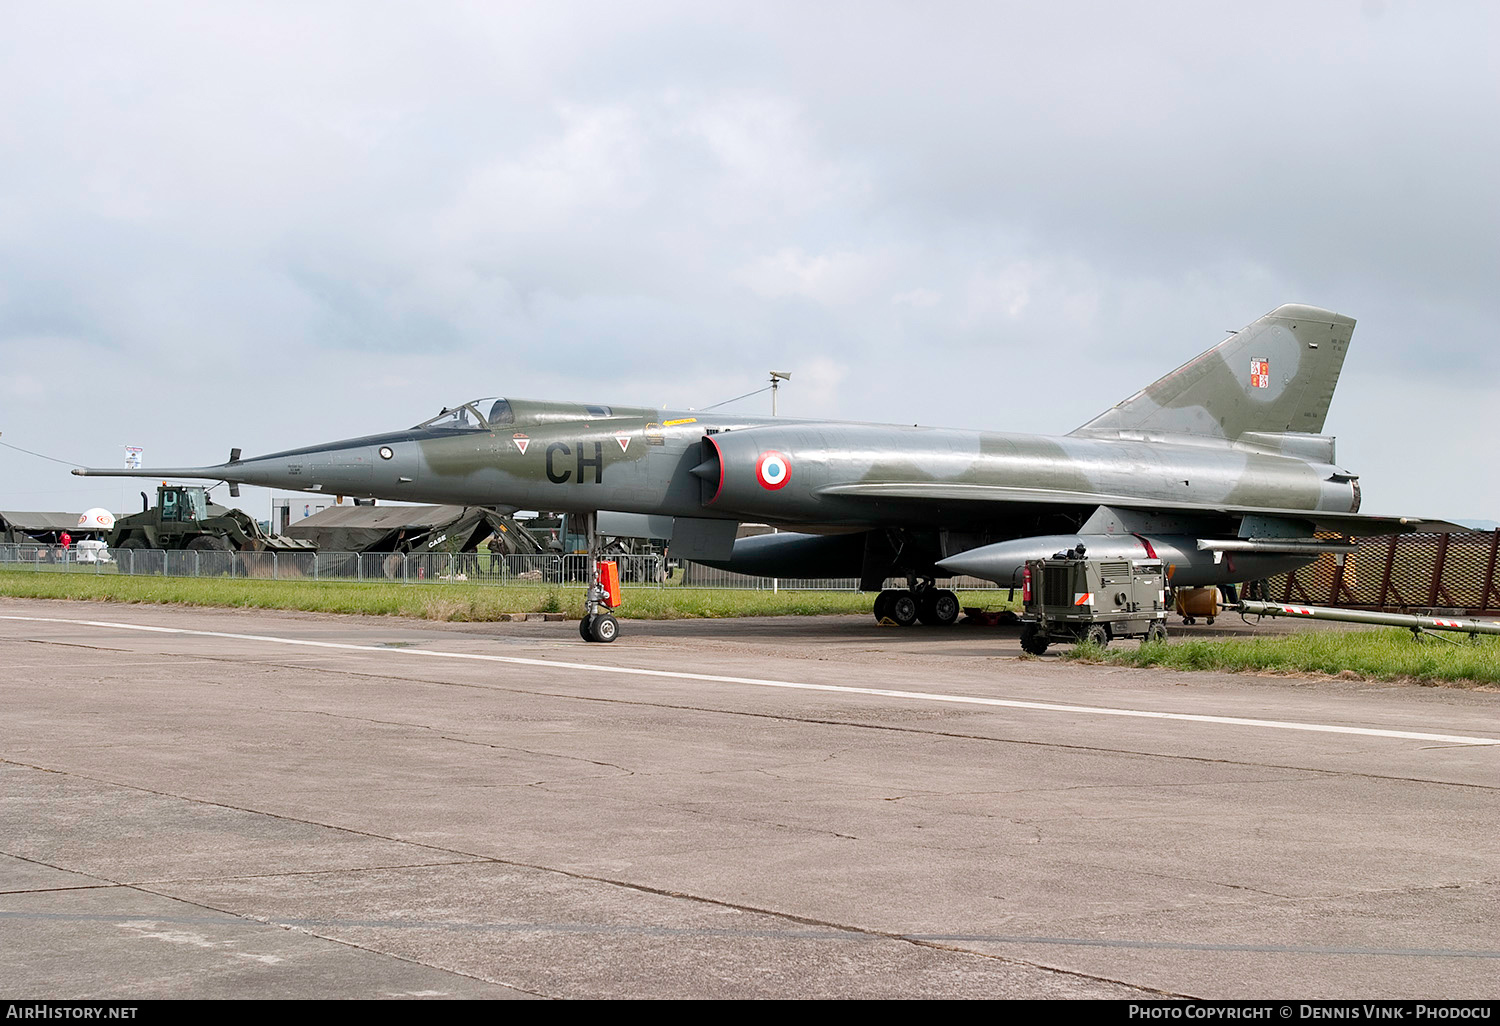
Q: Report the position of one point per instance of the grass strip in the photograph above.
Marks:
(463, 602)
(1385, 654)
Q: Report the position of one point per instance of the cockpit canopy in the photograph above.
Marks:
(493, 412)
(468, 417)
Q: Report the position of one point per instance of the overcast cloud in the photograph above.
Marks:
(269, 225)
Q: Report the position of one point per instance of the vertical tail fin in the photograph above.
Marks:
(1276, 374)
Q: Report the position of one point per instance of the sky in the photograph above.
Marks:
(273, 224)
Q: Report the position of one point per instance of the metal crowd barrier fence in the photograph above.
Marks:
(409, 568)
(1414, 571)
(406, 568)
(1458, 571)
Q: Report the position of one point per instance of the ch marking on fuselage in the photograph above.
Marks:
(595, 461)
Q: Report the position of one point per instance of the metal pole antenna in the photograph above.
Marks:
(777, 377)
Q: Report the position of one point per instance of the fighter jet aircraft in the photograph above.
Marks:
(1219, 469)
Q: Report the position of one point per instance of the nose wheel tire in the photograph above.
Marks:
(600, 627)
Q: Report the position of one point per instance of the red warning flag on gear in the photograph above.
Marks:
(609, 580)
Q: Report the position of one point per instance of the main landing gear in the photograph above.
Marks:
(921, 602)
(598, 624)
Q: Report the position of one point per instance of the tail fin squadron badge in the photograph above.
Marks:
(1260, 372)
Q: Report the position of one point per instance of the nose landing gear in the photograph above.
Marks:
(598, 623)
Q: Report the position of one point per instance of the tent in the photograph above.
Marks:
(17, 526)
(411, 529)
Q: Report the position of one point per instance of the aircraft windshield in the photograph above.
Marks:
(459, 418)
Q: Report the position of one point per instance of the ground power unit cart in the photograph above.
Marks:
(1070, 598)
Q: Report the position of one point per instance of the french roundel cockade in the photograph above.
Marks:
(773, 470)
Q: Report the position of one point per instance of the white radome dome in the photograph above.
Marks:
(96, 519)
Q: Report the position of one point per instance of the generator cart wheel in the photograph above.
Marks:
(606, 628)
(1156, 632)
(1209, 622)
(1097, 635)
(1033, 640)
(902, 608)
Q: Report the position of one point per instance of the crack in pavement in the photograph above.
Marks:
(456, 740)
(542, 755)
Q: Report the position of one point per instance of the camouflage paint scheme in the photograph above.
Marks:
(1225, 447)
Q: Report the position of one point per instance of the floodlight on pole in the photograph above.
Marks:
(776, 378)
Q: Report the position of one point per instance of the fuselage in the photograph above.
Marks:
(571, 457)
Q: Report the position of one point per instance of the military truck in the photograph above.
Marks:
(185, 518)
(1073, 598)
